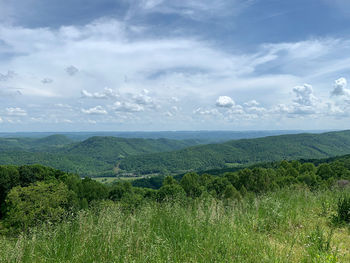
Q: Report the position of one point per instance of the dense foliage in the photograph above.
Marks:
(108, 156)
(241, 152)
(96, 156)
(33, 193)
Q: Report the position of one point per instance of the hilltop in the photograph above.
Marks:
(94, 156)
(242, 152)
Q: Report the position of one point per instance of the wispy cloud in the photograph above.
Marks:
(187, 77)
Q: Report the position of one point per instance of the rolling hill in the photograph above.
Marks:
(96, 156)
(52, 142)
(241, 152)
(107, 155)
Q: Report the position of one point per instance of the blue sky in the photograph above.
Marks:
(174, 65)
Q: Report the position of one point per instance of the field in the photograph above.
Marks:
(109, 180)
(283, 226)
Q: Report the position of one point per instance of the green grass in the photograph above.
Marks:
(109, 180)
(286, 226)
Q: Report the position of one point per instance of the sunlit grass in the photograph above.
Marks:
(286, 226)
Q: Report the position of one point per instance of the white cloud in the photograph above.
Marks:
(304, 95)
(256, 110)
(107, 93)
(252, 103)
(13, 121)
(225, 102)
(67, 121)
(16, 112)
(280, 109)
(193, 9)
(336, 110)
(236, 109)
(340, 88)
(305, 103)
(188, 71)
(200, 111)
(98, 110)
(174, 99)
(62, 105)
(143, 99)
(127, 107)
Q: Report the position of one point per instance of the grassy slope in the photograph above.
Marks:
(286, 226)
(246, 151)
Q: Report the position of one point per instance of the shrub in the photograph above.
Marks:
(37, 203)
(343, 210)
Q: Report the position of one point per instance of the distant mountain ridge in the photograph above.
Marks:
(94, 156)
(35, 144)
(107, 155)
(240, 152)
(204, 136)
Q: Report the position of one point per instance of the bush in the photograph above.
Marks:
(343, 210)
(37, 203)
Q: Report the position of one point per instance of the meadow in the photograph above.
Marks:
(289, 225)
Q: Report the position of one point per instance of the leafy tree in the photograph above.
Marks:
(218, 184)
(290, 171)
(308, 168)
(36, 203)
(9, 178)
(32, 173)
(169, 180)
(171, 192)
(233, 179)
(120, 190)
(190, 183)
(296, 165)
(310, 179)
(324, 171)
(231, 193)
(285, 164)
(92, 190)
(205, 179)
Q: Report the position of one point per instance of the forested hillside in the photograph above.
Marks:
(93, 157)
(49, 143)
(106, 156)
(242, 152)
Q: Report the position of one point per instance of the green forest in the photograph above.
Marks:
(100, 156)
(95, 156)
(241, 152)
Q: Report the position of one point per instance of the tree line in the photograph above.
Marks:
(32, 194)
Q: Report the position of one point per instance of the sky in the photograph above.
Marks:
(149, 65)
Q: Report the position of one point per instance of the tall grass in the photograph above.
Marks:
(284, 226)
